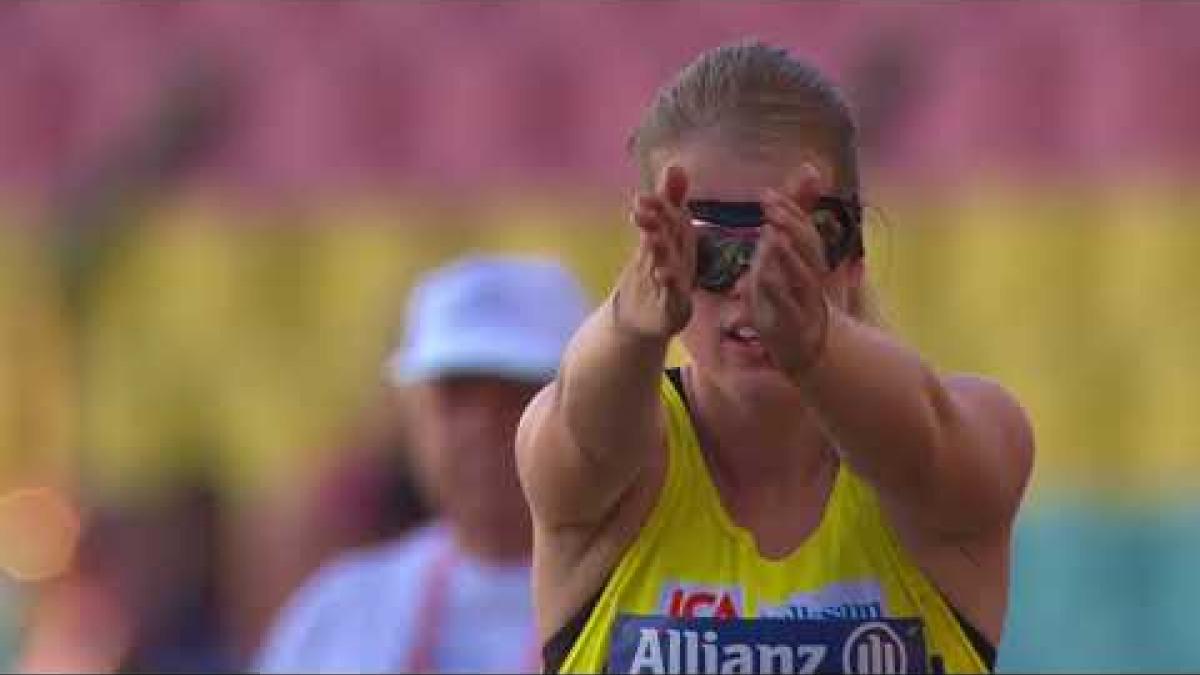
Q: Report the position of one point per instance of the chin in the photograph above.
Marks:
(765, 376)
(753, 375)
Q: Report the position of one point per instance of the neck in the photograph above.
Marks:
(507, 546)
(765, 437)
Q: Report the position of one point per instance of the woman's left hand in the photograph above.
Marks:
(787, 281)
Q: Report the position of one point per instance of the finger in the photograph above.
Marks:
(762, 251)
(672, 192)
(663, 277)
(673, 218)
(821, 227)
(646, 201)
(779, 262)
(664, 256)
(812, 261)
(806, 185)
(673, 185)
(658, 264)
(665, 240)
(651, 235)
(796, 229)
(684, 238)
(688, 249)
(675, 224)
(772, 301)
(645, 256)
(781, 266)
(648, 216)
(788, 211)
(798, 272)
(775, 292)
(677, 219)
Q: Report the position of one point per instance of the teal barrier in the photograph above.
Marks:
(1101, 588)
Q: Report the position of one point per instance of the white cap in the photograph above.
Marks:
(490, 315)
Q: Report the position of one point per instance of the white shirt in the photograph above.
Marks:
(360, 613)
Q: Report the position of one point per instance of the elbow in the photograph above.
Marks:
(944, 414)
(940, 429)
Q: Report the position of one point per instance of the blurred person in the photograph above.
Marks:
(483, 335)
(143, 594)
(807, 492)
(366, 494)
(361, 494)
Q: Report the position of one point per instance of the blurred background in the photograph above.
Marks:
(210, 213)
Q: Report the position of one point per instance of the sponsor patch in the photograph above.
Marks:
(668, 645)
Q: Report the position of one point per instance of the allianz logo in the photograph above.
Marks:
(872, 647)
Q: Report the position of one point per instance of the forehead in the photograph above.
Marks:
(721, 171)
(475, 386)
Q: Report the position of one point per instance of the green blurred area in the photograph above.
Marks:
(246, 339)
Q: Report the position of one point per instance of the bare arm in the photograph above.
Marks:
(950, 456)
(585, 438)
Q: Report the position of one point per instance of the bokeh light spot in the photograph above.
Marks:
(39, 530)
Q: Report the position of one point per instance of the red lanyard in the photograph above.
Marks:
(431, 614)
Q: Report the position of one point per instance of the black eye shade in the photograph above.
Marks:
(848, 212)
(727, 214)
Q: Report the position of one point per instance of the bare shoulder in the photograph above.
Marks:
(996, 450)
(534, 418)
(982, 388)
(565, 487)
(997, 408)
(974, 486)
(536, 431)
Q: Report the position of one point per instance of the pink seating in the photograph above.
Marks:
(351, 92)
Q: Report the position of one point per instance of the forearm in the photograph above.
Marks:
(608, 388)
(887, 409)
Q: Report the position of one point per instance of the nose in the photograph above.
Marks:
(473, 423)
(741, 286)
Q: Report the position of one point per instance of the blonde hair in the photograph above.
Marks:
(764, 100)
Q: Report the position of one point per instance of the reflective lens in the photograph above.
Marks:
(722, 255)
(728, 232)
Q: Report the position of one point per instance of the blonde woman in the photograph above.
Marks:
(807, 494)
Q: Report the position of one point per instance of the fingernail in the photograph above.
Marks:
(808, 174)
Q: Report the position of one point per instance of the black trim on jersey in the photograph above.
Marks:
(556, 649)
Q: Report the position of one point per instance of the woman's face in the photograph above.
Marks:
(463, 430)
(717, 172)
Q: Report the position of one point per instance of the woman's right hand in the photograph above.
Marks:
(653, 298)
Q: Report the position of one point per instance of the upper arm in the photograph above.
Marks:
(565, 484)
(979, 471)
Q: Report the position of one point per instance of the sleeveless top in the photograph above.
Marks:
(691, 593)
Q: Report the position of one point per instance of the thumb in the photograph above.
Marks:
(674, 185)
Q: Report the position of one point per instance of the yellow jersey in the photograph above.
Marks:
(693, 594)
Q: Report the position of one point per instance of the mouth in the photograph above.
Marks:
(742, 334)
